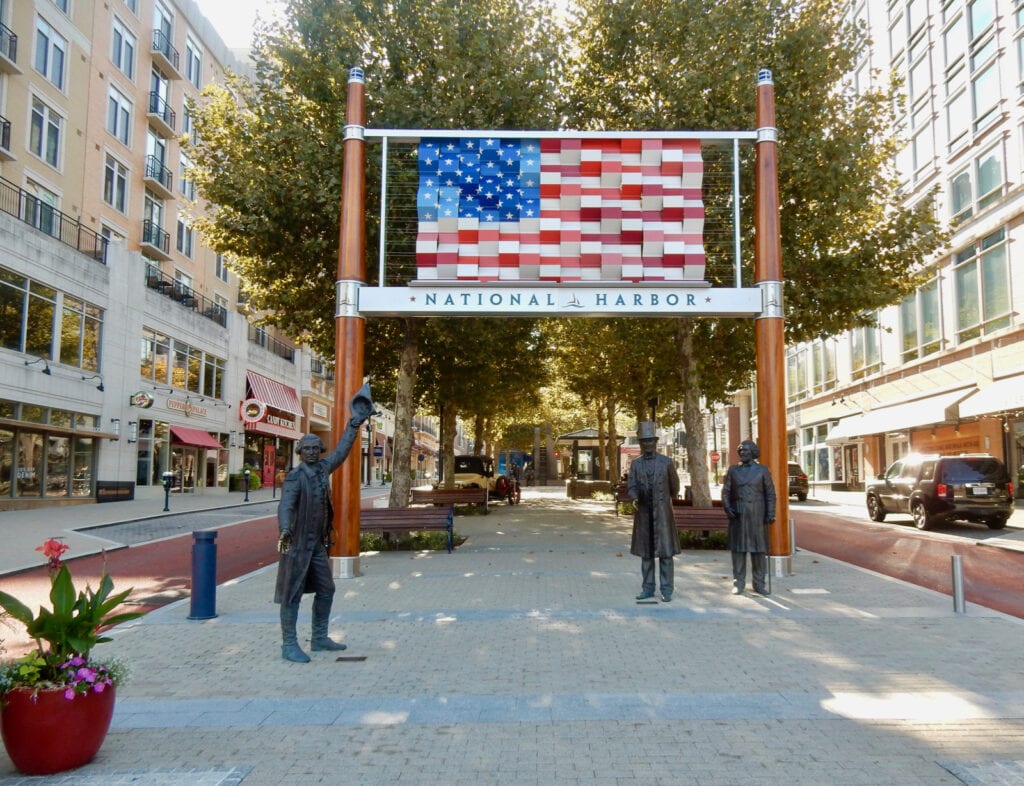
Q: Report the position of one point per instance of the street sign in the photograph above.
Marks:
(378, 451)
(716, 456)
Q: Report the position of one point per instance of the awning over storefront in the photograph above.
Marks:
(182, 435)
(845, 429)
(274, 430)
(900, 417)
(273, 393)
(1003, 395)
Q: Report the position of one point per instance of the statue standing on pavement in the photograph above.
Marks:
(304, 521)
(748, 496)
(653, 483)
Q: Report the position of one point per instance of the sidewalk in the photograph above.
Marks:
(79, 526)
(522, 659)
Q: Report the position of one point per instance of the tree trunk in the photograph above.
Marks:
(601, 454)
(614, 462)
(401, 458)
(449, 414)
(693, 416)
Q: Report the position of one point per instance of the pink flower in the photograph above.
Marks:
(69, 692)
(53, 549)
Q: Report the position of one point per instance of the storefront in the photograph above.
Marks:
(195, 456)
(48, 453)
(270, 413)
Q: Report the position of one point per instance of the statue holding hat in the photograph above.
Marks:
(653, 483)
(748, 496)
(305, 524)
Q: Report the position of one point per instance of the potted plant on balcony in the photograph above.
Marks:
(56, 702)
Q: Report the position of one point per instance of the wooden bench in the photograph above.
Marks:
(471, 496)
(393, 520)
(621, 496)
(694, 519)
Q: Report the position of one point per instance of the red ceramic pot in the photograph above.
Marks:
(46, 733)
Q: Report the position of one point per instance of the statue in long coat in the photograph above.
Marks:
(305, 518)
(748, 496)
(653, 483)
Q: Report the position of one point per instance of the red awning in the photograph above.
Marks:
(182, 435)
(273, 393)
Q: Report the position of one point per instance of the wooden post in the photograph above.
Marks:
(769, 330)
(350, 328)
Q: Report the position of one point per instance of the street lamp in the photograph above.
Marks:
(245, 473)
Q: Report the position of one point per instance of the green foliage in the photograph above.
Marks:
(695, 540)
(409, 541)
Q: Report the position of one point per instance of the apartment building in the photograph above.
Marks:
(126, 358)
(943, 371)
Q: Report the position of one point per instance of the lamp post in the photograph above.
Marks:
(168, 477)
(245, 474)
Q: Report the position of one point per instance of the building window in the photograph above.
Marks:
(193, 63)
(27, 310)
(62, 5)
(111, 235)
(168, 361)
(185, 237)
(132, 5)
(153, 211)
(220, 268)
(45, 133)
(865, 356)
(185, 183)
(981, 278)
(115, 184)
(921, 323)
(41, 208)
(186, 122)
(123, 49)
(80, 334)
(977, 187)
(51, 52)
(119, 116)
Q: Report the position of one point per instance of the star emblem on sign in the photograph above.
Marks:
(707, 300)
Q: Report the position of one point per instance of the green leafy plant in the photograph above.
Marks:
(66, 632)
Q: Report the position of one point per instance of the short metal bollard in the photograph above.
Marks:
(204, 575)
(959, 607)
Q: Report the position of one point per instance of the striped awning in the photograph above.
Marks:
(273, 393)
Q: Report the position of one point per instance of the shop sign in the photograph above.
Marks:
(252, 410)
(187, 407)
(142, 400)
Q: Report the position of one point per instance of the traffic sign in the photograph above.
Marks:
(716, 456)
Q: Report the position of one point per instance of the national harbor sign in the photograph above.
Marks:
(579, 300)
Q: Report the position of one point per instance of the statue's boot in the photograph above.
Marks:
(290, 649)
(321, 618)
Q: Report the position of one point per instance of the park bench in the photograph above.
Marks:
(694, 519)
(621, 496)
(466, 496)
(387, 521)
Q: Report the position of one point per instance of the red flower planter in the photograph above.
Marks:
(46, 733)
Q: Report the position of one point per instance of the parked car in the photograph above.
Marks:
(938, 489)
(798, 484)
(474, 472)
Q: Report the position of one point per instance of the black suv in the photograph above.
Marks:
(798, 483)
(936, 489)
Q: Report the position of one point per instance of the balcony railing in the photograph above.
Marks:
(153, 235)
(163, 48)
(9, 46)
(185, 295)
(259, 336)
(46, 218)
(159, 109)
(156, 171)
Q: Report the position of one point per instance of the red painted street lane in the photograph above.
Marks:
(158, 573)
(993, 577)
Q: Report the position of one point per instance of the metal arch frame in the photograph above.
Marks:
(739, 304)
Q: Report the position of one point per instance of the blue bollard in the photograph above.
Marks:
(204, 575)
